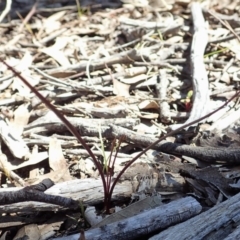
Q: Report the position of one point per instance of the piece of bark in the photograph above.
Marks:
(145, 222)
(14, 142)
(161, 90)
(202, 226)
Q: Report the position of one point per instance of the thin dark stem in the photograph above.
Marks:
(70, 127)
(111, 170)
(111, 152)
(117, 150)
(115, 156)
(109, 163)
(162, 138)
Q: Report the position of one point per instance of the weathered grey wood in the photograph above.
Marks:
(145, 222)
(131, 210)
(226, 120)
(209, 154)
(161, 90)
(124, 57)
(234, 235)
(199, 73)
(50, 120)
(89, 191)
(201, 226)
(15, 143)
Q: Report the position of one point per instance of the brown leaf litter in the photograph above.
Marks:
(120, 68)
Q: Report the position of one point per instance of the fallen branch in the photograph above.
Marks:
(223, 216)
(35, 193)
(199, 78)
(146, 222)
(208, 154)
(89, 191)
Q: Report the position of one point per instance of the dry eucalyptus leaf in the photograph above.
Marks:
(56, 52)
(30, 231)
(225, 78)
(234, 46)
(174, 39)
(25, 62)
(148, 115)
(21, 118)
(135, 79)
(236, 76)
(56, 158)
(148, 104)
(34, 158)
(15, 143)
(53, 23)
(50, 227)
(23, 66)
(120, 89)
(5, 165)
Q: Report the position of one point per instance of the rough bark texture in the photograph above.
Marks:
(223, 217)
(145, 222)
